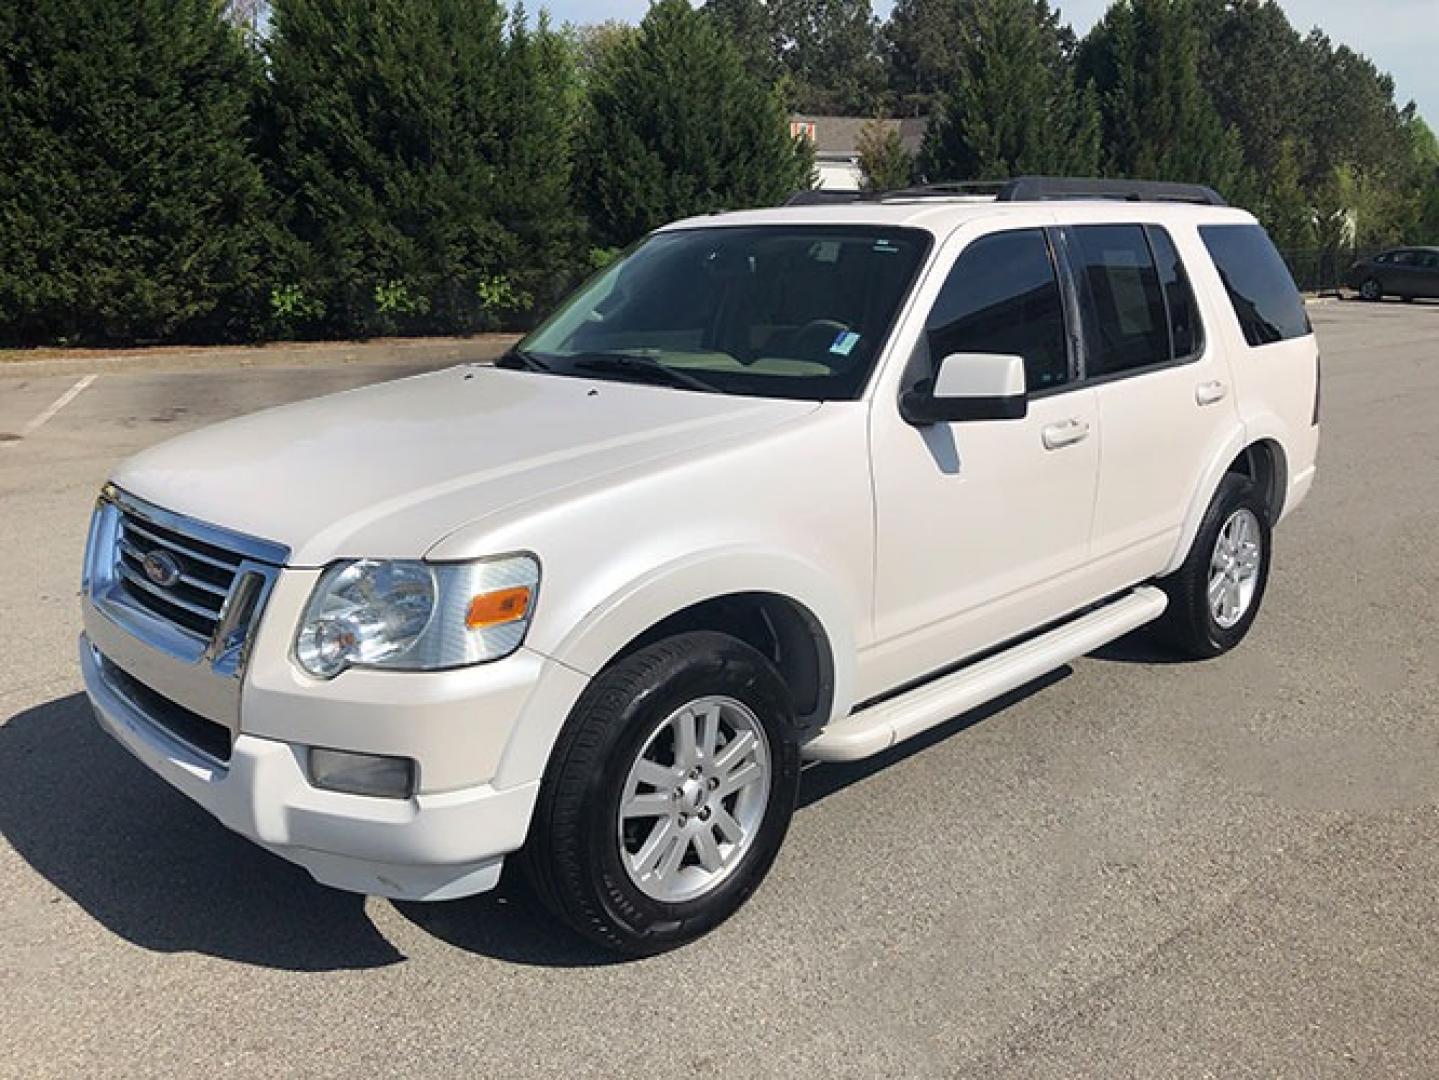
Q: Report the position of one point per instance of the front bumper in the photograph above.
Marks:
(433, 846)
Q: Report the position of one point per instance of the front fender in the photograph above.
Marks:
(619, 618)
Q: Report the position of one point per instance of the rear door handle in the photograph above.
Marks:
(1210, 392)
(1067, 433)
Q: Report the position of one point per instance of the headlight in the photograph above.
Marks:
(416, 616)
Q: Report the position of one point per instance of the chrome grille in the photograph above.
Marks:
(186, 589)
(174, 603)
(194, 577)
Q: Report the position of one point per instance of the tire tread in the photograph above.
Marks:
(552, 858)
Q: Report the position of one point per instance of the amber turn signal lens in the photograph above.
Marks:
(498, 608)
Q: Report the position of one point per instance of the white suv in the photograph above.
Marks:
(779, 485)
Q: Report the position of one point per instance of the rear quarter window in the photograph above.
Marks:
(1260, 287)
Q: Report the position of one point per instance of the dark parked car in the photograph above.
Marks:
(1402, 272)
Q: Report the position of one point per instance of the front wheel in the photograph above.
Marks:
(1215, 595)
(668, 794)
(1371, 290)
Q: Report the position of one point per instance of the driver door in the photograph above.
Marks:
(983, 525)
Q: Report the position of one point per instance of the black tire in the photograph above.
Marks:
(1188, 624)
(1371, 290)
(573, 854)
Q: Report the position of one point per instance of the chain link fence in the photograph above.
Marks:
(1322, 270)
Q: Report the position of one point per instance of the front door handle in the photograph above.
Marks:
(1067, 433)
(1210, 392)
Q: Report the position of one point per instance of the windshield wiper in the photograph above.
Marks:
(516, 359)
(640, 368)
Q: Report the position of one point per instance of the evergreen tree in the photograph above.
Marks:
(1012, 108)
(388, 134)
(1281, 202)
(750, 25)
(922, 42)
(823, 54)
(1252, 66)
(677, 126)
(1159, 122)
(1353, 119)
(1254, 69)
(883, 159)
(128, 194)
(540, 103)
(1360, 166)
(1425, 150)
(830, 50)
(594, 42)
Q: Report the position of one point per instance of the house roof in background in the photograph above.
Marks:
(838, 136)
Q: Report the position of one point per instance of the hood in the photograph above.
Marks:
(388, 470)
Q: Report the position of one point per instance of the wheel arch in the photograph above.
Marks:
(1262, 458)
(775, 602)
(785, 631)
(1265, 463)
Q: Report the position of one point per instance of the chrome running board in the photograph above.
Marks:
(877, 728)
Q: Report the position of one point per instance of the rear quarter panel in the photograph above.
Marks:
(1274, 388)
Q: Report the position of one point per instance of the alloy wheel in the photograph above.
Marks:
(694, 799)
(1234, 568)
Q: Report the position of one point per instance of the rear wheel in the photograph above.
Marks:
(1371, 290)
(668, 794)
(1215, 595)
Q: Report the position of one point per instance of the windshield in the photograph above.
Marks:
(770, 311)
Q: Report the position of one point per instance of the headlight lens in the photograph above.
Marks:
(416, 616)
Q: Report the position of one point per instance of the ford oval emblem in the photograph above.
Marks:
(161, 567)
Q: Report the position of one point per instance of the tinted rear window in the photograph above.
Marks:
(1268, 305)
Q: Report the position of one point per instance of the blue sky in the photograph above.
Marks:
(1401, 36)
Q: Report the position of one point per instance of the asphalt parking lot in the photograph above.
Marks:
(1135, 868)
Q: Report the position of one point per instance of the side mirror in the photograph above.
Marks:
(969, 386)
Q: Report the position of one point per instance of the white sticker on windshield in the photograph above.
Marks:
(844, 344)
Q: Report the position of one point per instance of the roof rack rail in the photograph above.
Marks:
(949, 189)
(827, 196)
(1024, 189)
(1037, 188)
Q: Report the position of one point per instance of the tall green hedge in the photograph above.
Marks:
(386, 124)
(130, 206)
(677, 125)
(360, 167)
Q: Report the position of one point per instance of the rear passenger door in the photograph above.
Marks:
(1163, 393)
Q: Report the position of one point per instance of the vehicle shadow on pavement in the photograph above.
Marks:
(155, 869)
(508, 924)
(1138, 647)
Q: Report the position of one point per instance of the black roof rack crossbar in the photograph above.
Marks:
(1025, 189)
(828, 196)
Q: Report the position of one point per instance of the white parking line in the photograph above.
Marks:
(54, 407)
